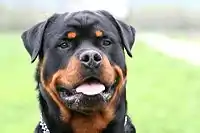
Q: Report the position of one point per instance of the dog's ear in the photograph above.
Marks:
(126, 32)
(33, 38)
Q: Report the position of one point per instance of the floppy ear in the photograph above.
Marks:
(33, 38)
(126, 32)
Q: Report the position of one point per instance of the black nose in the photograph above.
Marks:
(91, 58)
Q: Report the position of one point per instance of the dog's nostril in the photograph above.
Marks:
(90, 58)
(97, 57)
(85, 58)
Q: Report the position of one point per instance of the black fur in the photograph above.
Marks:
(43, 40)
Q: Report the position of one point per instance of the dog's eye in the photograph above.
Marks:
(107, 42)
(64, 44)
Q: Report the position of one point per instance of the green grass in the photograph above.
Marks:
(163, 93)
(19, 105)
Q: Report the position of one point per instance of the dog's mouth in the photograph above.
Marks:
(89, 95)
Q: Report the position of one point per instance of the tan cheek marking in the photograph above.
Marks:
(68, 76)
(119, 87)
(99, 33)
(108, 73)
(50, 88)
(71, 35)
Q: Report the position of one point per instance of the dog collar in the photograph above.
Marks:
(43, 125)
(46, 130)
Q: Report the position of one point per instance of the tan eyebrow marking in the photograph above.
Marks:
(71, 35)
(98, 33)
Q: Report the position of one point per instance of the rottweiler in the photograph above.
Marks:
(81, 72)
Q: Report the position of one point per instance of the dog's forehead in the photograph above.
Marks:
(85, 23)
(87, 18)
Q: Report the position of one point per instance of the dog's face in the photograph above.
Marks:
(81, 58)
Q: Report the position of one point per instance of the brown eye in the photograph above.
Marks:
(107, 42)
(64, 45)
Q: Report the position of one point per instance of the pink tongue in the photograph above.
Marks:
(90, 89)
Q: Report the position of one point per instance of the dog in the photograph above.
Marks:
(81, 72)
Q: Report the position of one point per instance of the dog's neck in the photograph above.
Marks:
(78, 123)
(94, 123)
(45, 129)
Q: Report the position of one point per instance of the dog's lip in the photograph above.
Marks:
(68, 93)
(72, 98)
(87, 80)
(86, 104)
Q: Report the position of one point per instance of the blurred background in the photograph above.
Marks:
(163, 75)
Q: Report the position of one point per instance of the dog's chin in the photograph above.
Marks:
(87, 97)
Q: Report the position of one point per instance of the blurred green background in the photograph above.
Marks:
(163, 91)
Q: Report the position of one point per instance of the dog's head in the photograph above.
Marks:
(81, 59)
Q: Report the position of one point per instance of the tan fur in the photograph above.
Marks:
(98, 33)
(71, 75)
(71, 35)
(98, 121)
